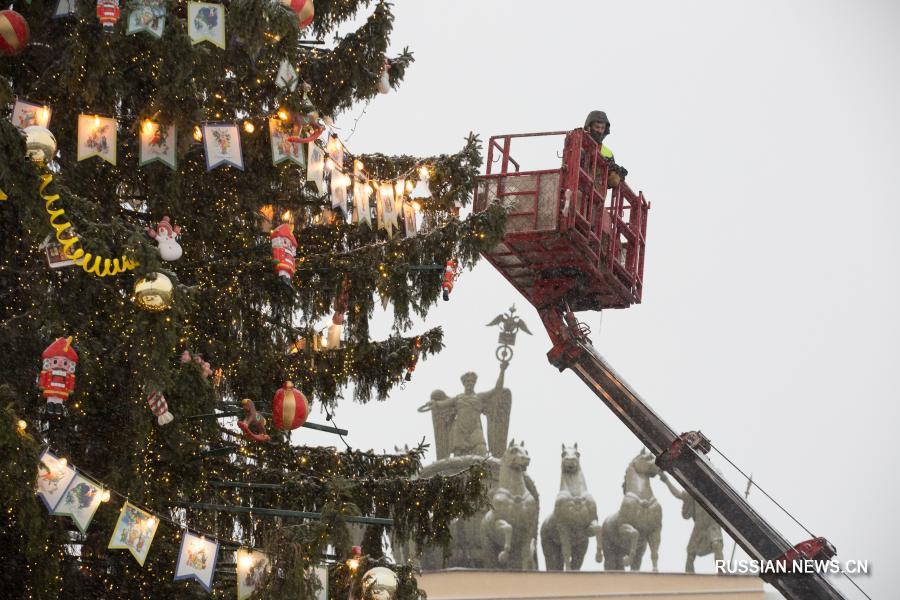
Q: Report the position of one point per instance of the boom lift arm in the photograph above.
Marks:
(684, 457)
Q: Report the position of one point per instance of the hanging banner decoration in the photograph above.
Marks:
(53, 478)
(362, 192)
(387, 216)
(206, 23)
(409, 220)
(134, 532)
(222, 142)
(97, 137)
(157, 143)
(315, 170)
(287, 78)
(149, 16)
(283, 148)
(25, 114)
(197, 559)
(339, 183)
(252, 568)
(100, 266)
(81, 501)
(320, 574)
(63, 9)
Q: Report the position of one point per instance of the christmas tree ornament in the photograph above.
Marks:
(197, 559)
(157, 144)
(290, 408)
(413, 359)
(149, 16)
(206, 23)
(108, 14)
(315, 167)
(450, 275)
(97, 137)
(422, 189)
(25, 114)
(336, 329)
(308, 127)
(154, 292)
(159, 407)
(166, 236)
(379, 583)
(252, 567)
(222, 142)
(53, 478)
(205, 369)
(304, 10)
(284, 250)
(56, 258)
(287, 78)
(253, 424)
(384, 81)
(40, 144)
(134, 531)
(80, 501)
(14, 32)
(57, 378)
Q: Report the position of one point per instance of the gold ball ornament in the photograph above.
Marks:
(154, 292)
(379, 583)
(40, 144)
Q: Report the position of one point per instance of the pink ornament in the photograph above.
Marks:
(159, 407)
(187, 357)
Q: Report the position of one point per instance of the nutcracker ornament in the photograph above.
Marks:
(108, 13)
(166, 236)
(450, 275)
(290, 408)
(253, 424)
(57, 378)
(159, 407)
(284, 250)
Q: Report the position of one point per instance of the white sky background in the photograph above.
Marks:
(765, 136)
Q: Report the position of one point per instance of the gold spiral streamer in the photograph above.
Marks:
(100, 266)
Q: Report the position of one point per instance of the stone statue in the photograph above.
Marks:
(625, 534)
(510, 526)
(706, 537)
(457, 421)
(565, 533)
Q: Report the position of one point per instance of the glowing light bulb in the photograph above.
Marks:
(409, 185)
(283, 114)
(287, 217)
(45, 115)
(22, 424)
(423, 172)
(353, 563)
(249, 127)
(148, 126)
(96, 121)
(63, 462)
(104, 497)
(198, 133)
(246, 561)
(416, 206)
(358, 164)
(399, 187)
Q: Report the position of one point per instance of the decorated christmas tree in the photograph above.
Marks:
(190, 259)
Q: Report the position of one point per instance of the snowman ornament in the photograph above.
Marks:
(166, 236)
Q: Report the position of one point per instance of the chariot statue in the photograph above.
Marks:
(706, 537)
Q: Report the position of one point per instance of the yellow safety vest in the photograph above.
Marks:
(605, 152)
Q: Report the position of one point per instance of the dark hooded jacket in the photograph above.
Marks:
(599, 115)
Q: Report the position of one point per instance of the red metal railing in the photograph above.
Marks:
(609, 226)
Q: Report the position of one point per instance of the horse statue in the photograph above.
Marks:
(565, 533)
(625, 534)
(510, 526)
(706, 537)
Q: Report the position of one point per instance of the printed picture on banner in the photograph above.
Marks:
(282, 149)
(134, 531)
(206, 22)
(97, 137)
(252, 568)
(80, 501)
(149, 16)
(26, 114)
(197, 559)
(53, 477)
(157, 143)
(222, 142)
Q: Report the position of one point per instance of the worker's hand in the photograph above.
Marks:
(663, 477)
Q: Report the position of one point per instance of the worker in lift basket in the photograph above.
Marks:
(597, 124)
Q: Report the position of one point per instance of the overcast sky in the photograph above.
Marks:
(764, 134)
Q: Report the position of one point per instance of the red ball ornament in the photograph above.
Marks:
(14, 33)
(303, 9)
(290, 408)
